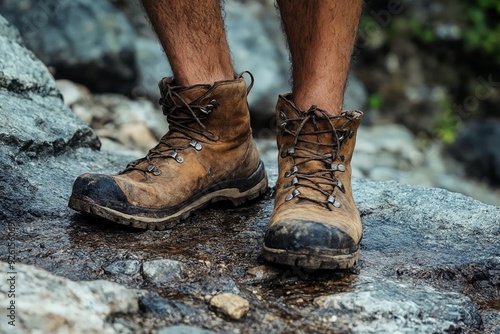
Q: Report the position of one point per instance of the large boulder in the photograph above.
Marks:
(90, 42)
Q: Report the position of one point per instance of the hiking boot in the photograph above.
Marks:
(315, 223)
(207, 155)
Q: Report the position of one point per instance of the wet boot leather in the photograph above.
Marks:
(315, 223)
(208, 155)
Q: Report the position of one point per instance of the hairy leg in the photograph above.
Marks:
(193, 37)
(321, 36)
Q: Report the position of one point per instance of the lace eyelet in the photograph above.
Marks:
(294, 193)
(291, 171)
(197, 146)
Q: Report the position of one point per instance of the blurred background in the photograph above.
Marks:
(426, 74)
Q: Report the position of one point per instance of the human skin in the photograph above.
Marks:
(320, 36)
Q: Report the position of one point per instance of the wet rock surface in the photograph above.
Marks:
(430, 258)
(430, 262)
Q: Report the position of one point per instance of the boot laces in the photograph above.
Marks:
(321, 180)
(185, 126)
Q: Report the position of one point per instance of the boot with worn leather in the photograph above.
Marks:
(207, 155)
(315, 223)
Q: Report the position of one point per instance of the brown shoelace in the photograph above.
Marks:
(321, 180)
(181, 118)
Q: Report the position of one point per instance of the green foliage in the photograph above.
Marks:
(375, 101)
(447, 123)
(483, 31)
(422, 31)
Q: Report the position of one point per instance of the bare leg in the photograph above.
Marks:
(321, 36)
(193, 37)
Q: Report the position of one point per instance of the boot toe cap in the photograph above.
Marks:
(296, 235)
(99, 188)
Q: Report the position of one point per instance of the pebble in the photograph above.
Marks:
(125, 267)
(162, 271)
(263, 272)
(231, 305)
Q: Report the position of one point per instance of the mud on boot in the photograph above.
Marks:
(207, 155)
(315, 223)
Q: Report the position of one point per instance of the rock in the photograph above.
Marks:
(355, 96)
(161, 271)
(41, 139)
(477, 148)
(27, 91)
(231, 305)
(53, 304)
(137, 124)
(85, 41)
(255, 51)
(125, 267)
(182, 329)
(391, 307)
(152, 65)
(263, 272)
(73, 93)
(173, 311)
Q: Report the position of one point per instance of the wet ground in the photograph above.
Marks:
(422, 267)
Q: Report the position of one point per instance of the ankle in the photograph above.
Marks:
(192, 77)
(324, 100)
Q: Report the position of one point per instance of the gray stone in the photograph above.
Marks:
(125, 267)
(355, 96)
(170, 310)
(47, 303)
(85, 41)
(152, 65)
(28, 92)
(254, 50)
(161, 271)
(477, 147)
(182, 329)
(390, 307)
(263, 272)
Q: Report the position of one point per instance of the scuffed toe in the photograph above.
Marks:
(297, 235)
(101, 189)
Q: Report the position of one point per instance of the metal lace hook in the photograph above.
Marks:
(240, 75)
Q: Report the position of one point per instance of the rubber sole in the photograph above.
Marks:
(311, 259)
(156, 222)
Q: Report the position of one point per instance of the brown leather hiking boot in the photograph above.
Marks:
(315, 223)
(207, 155)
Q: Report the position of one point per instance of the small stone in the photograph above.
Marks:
(162, 271)
(231, 305)
(263, 272)
(125, 267)
(269, 318)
